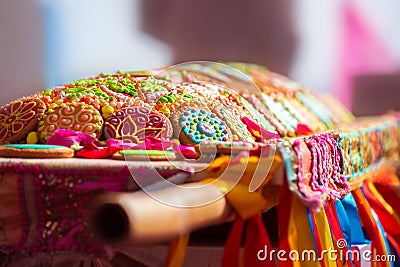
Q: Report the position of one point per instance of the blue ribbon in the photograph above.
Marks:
(357, 236)
(311, 223)
(343, 221)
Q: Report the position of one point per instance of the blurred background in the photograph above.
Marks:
(349, 48)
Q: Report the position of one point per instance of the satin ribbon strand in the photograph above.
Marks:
(370, 225)
(177, 251)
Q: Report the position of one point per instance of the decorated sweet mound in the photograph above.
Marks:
(309, 152)
(191, 103)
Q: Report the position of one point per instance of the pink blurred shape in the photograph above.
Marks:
(361, 51)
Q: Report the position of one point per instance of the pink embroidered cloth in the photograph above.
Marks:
(44, 203)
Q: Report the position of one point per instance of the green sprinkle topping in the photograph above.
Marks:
(47, 92)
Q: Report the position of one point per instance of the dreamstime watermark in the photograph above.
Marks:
(331, 254)
(149, 175)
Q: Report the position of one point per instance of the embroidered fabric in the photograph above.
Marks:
(323, 166)
(45, 203)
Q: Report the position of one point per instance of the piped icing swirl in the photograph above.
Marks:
(134, 124)
(72, 116)
(19, 118)
(199, 124)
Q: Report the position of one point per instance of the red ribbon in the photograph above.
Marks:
(257, 131)
(330, 211)
(303, 129)
(256, 239)
(231, 256)
(391, 195)
(283, 221)
(389, 223)
(364, 210)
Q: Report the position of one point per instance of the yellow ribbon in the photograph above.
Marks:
(246, 202)
(177, 251)
(300, 236)
(358, 192)
(325, 236)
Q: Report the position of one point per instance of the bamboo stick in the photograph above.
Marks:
(140, 218)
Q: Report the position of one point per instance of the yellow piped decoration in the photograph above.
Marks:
(257, 134)
(53, 106)
(165, 110)
(107, 111)
(32, 138)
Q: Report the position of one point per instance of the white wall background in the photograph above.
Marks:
(48, 42)
(83, 40)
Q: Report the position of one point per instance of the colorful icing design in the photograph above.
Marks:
(269, 122)
(302, 113)
(78, 91)
(134, 124)
(149, 153)
(122, 83)
(87, 91)
(18, 118)
(281, 113)
(145, 88)
(199, 124)
(118, 90)
(34, 146)
(259, 118)
(237, 127)
(73, 116)
(230, 99)
(168, 102)
(317, 108)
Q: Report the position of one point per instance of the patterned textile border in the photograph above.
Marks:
(44, 202)
(322, 167)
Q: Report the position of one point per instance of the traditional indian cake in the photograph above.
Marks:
(269, 144)
(132, 107)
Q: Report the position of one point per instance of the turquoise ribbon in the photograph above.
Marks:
(310, 222)
(357, 236)
(344, 222)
